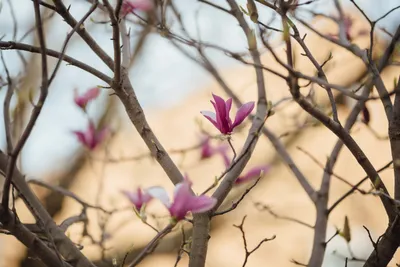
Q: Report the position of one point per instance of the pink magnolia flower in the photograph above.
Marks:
(128, 6)
(83, 100)
(221, 119)
(90, 137)
(138, 198)
(184, 200)
(207, 150)
(253, 173)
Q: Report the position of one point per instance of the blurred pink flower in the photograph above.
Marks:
(138, 198)
(184, 200)
(348, 22)
(83, 100)
(91, 138)
(128, 6)
(253, 173)
(226, 158)
(221, 120)
(208, 151)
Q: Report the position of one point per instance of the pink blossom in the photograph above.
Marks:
(221, 120)
(348, 22)
(253, 173)
(83, 100)
(184, 200)
(138, 198)
(128, 6)
(91, 137)
(207, 150)
(226, 158)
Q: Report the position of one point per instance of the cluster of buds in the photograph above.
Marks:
(91, 137)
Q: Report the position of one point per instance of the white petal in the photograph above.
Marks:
(209, 114)
(159, 193)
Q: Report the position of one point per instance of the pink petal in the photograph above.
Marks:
(144, 5)
(92, 94)
(182, 196)
(228, 106)
(91, 136)
(100, 135)
(220, 106)
(129, 6)
(348, 22)
(225, 157)
(211, 117)
(83, 100)
(206, 149)
(79, 101)
(159, 193)
(201, 204)
(253, 173)
(81, 136)
(187, 180)
(242, 113)
(221, 148)
(221, 114)
(138, 198)
(133, 198)
(146, 198)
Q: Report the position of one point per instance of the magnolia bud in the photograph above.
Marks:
(252, 8)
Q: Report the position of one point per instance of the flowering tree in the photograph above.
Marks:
(49, 242)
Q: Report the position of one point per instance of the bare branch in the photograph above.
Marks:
(26, 47)
(262, 207)
(247, 251)
(235, 204)
(35, 113)
(150, 246)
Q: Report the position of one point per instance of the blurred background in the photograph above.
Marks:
(163, 78)
(162, 75)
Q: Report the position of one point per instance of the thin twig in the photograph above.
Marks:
(262, 207)
(235, 204)
(35, 112)
(150, 246)
(52, 53)
(6, 107)
(247, 251)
